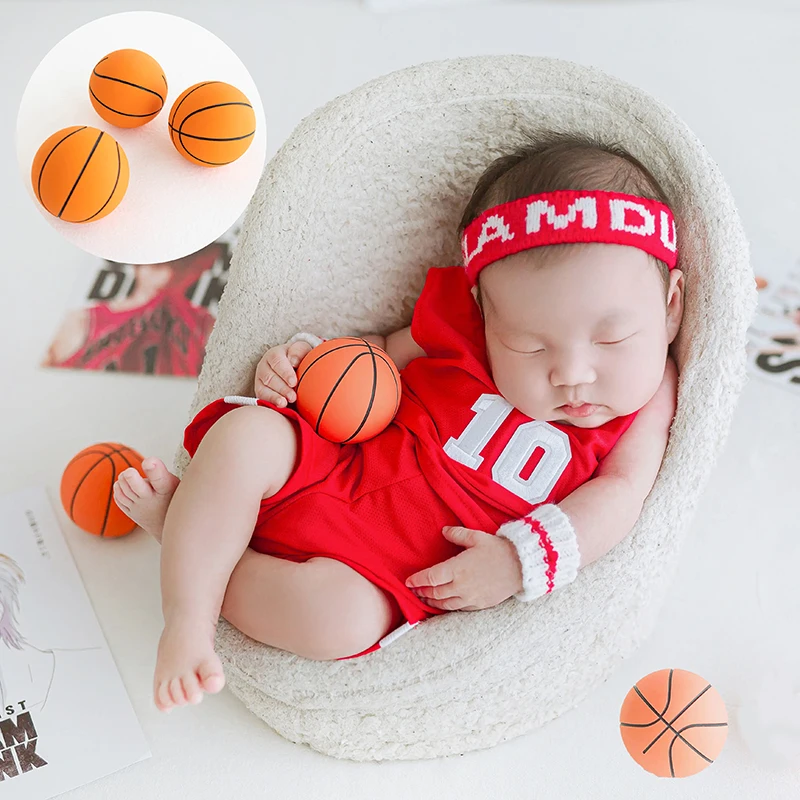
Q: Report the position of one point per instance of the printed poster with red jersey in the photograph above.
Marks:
(153, 319)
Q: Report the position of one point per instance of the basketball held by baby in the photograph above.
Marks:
(348, 389)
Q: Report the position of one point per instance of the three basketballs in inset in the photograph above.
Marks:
(212, 124)
(128, 88)
(87, 488)
(348, 389)
(80, 174)
(673, 723)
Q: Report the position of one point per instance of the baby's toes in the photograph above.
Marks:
(191, 688)
(134, 485)
(162, 698)
(211, 677)
(176, 692)
(121, 499)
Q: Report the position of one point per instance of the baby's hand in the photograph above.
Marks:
(275, 374)
(485, 573)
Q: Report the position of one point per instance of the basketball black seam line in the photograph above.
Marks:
(689, 744)
(213, 138)
(197, 158)
(676, 717)
(44, 163)
(174, 113)
(88, 472)
(116, 183)
(660, 714)
(183, 99)
(209, 108)
(97, 452)
(80, 483)
(372, 393)
(80, 175)
(333, 350)
(330, 394)
(198, 111)
(123, 113)
(333, 391)
(129, 83)
(110, 497)
(669, 723)
(114, 452)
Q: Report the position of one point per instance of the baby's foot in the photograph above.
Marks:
(187, 665)
(145, 500)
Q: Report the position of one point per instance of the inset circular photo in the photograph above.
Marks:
(141, 137)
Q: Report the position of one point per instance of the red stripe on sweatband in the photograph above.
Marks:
(550, 553)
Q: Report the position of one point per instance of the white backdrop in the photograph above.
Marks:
(732, 74)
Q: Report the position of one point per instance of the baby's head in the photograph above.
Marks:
(579, 323)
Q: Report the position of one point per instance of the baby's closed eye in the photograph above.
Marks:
(615, 339)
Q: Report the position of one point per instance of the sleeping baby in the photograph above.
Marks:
(538, 395)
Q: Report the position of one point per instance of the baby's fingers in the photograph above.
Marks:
(272, 388)
(297, 352)
(279, 361)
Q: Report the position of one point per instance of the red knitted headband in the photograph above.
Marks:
(565, 218)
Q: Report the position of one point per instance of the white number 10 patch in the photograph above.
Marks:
(491, 410)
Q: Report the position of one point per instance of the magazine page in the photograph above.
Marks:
(153, 319)
(65, 717)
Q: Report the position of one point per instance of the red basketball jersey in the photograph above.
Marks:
(472, 444)
(165, 336)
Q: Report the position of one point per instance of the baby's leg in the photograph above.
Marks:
(320, 608)
(247, 455)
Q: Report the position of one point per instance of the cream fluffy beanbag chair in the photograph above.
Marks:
(360, 201)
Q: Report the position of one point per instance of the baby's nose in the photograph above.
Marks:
(572, 370)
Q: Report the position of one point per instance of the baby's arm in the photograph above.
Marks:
(554, 541)
(400, 346)
(604, 510)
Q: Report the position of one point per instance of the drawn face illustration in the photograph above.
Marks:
(11, 578)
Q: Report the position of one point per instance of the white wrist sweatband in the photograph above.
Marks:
(309, 338)
(547, 549)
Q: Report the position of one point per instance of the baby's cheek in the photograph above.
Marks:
(643, 372)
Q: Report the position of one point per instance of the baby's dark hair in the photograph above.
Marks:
(550, 162)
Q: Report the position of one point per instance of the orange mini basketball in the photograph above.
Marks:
(212, 124)
(128, 88)
(673, 723)
(87, 488)
(80, 174)
(348, 389)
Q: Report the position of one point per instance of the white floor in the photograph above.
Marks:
(732, 74)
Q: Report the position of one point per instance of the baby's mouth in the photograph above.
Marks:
(579, 410)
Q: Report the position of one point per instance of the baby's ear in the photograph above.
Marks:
(475, 292)
(674, 304)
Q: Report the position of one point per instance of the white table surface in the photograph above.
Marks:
(732, 74)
